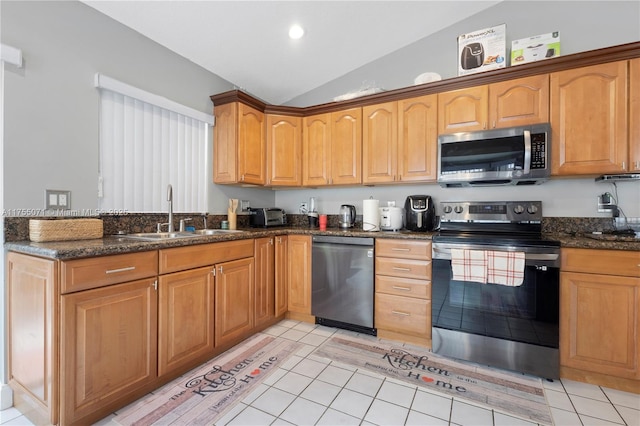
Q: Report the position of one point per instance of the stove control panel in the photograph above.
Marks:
(491, 211)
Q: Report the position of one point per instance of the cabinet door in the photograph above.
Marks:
(284, 145)
(599, 323)
(463, 110)
(33, 336)
(346, 147)
(251, 146)
(589, 120)
(234, 300)
(281, 275)
(519, 102)
(185, 318)
(634, 115)
(316, 150)
(264, 295)
(418, 139)
(380, 143)
(225, 143)
(299, 253)
(109, 340)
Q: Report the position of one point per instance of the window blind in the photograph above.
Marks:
(143, 149)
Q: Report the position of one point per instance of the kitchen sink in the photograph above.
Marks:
(216, 231)
(159, 236)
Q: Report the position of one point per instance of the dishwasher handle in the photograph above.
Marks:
(354, 241)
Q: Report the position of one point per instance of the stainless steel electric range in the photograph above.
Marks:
(511, 323)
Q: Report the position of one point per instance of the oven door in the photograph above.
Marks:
(511, 327)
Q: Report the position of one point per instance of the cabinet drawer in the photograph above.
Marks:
(404, 249)
(83, 274)
(403, 286)
(607, 262)
(403, 315)
(189, 257)
(420, 269)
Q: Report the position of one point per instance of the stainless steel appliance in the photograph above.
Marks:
(512, 156)
(342, 282)
(420, 213)
(514, 327)
(267, 217)
(347, 216)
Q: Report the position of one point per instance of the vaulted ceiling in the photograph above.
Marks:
(247, 42)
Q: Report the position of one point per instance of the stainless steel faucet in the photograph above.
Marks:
(170, 200)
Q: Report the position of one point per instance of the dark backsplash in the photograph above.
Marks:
(17, 228)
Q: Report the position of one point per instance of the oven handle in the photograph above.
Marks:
(444, 252)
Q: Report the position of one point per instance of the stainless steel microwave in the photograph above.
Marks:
(510, 156)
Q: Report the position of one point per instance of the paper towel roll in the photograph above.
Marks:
(370, 215)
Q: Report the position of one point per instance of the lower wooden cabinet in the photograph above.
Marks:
(264, 294)
(234, 300)
(600, 317)
(33, 335)
(403, 290)
(108, 346)
(299, 275)
(281, 275)
(185, 318)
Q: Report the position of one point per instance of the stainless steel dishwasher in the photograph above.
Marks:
(342, 282)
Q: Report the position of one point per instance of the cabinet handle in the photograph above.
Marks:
(624, 165)
(213, 271)
(155, 285)
(399, 249)
(397, 268)
(221, 270)
(271, 241)
(115, 271)
(397, 287)
(404, 314)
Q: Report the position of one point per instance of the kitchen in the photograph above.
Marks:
(561, 197)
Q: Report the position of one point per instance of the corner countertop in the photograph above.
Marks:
(66, 250)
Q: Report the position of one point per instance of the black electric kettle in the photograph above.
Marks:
(347, 216)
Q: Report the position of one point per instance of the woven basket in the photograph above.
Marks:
(64, 229)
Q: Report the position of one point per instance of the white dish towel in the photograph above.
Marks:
(505, 267)
(469, 265)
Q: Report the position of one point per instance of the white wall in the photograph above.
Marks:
(560, 197)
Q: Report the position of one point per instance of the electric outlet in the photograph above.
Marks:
(55, 199)
(304, 207)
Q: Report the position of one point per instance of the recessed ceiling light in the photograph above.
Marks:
(296, 32)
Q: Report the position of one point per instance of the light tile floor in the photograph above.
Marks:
(308, 390)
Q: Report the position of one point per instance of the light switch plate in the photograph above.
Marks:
(57, 199)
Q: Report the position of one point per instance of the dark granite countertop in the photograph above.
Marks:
(65, 250)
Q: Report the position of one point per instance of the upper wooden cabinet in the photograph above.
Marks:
(400, 141)
(509, 103)
(589, 120)
(418, 139)
(284, 150)
(634, 115)
(316, 150)
(463, 110)
(346, 147)
(519, 102)
(239, 152)
(380, 143)
(332, 148)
